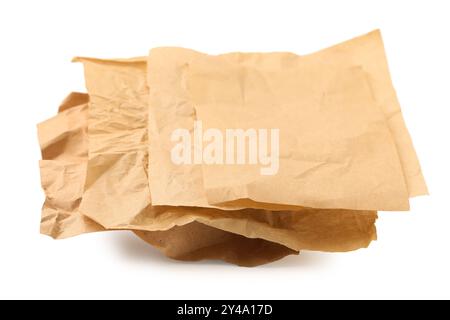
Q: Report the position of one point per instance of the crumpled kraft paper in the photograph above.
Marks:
(96, 153)
(64, 148)
(171, 105)
(117, 193)
(63, 183)
(63, 142)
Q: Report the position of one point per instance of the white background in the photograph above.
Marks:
(39, 38)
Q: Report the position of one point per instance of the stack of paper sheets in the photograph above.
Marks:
(244, 157)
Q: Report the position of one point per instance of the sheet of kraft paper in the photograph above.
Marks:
(63, 142)
(117, 194)
(343, 144)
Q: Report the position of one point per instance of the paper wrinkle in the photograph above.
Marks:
(63, 142)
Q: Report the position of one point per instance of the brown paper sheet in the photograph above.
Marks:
(117, 193)
(336, 150)
(171, 107)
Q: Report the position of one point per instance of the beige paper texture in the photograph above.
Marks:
(64, 138)
(63, 183)
(171, 107)
(63, 142)
(335, 148)
(117, 193)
